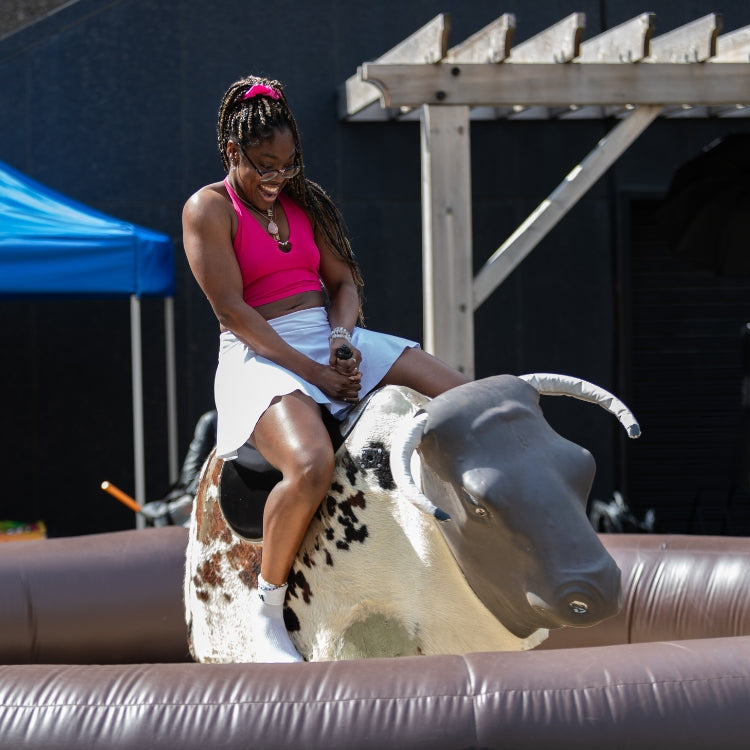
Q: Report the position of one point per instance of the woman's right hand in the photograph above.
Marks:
(340, 386)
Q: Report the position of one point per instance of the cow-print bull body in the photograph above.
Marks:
(373, 576)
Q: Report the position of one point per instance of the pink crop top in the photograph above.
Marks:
(268, 274)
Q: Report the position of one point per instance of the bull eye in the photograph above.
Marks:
(480, 512)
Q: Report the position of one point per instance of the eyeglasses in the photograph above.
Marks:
(268, 175)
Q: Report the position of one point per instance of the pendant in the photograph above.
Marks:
(273, 227)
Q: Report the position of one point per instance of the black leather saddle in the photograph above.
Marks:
(245, 482)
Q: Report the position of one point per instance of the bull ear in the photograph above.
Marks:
(406, 437)
(551, 384)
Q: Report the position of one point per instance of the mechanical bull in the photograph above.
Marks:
(486, 550)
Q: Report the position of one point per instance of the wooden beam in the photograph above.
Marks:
(694, 42)
(557, 44)
(426, 45)
(733, 47)
(685, 112)
(507, 257)
(737, 111)
(574, 112)
(691, 43)
(627, 43)
(490, 44)
(447, 236)
(559, 85)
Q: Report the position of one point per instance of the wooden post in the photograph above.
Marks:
(446, 236)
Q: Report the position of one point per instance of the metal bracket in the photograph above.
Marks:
(372, 458)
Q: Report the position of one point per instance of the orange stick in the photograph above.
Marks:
(116, 492)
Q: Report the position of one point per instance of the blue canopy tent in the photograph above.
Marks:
(51, 245)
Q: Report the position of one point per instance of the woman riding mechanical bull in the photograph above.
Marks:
(270, 251)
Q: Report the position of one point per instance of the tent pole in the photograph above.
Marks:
(137, 365)
(169, 343)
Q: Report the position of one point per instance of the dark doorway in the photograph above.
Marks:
(687, 332)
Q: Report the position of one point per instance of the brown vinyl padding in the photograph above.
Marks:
(88, 623)
(98, 599)
(674, 588)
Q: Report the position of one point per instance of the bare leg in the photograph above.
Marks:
(419, 370)
(291, 436)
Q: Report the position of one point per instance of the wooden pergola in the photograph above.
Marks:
(625, 74)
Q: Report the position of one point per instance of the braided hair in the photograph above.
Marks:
(248, 121)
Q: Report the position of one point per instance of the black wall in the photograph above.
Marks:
(113, 102)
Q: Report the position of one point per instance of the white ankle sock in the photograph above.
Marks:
(273, 644)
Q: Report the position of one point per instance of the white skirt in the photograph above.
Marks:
(246, 383)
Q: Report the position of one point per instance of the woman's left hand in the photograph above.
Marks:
(348, 366)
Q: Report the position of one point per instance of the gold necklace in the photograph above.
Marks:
(273, 228)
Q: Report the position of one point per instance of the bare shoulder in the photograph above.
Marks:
(210, 200)
(208, 224)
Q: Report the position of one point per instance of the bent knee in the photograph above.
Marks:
(313, 468)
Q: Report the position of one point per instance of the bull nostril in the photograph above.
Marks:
(572, 608)
(578, 607)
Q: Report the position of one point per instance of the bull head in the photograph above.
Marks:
(511, 494)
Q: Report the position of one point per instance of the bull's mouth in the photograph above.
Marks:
(521, 621)
(523, 625)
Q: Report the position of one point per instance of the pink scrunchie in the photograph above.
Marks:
(260, 89)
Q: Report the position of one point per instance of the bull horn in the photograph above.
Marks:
(406, 438)
(550, 384)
